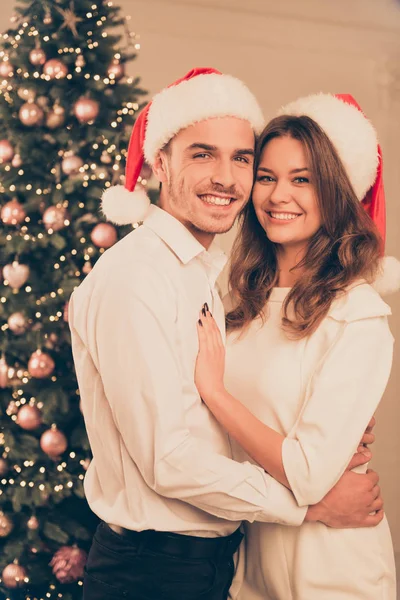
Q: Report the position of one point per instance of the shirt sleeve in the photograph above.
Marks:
(134, 339)
(342, 396)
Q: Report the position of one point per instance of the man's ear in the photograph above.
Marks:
(160, 167)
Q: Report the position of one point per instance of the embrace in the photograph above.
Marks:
(231, 439)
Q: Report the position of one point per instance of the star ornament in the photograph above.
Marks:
(70, 18)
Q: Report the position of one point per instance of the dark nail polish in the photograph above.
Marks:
(200, 323)
(203, 310)
(206, 306)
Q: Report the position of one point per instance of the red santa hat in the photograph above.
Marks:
(356, 143)
(202, 94)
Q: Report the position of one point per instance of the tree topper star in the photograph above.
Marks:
(70, 18)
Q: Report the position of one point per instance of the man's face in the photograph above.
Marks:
(207, 175)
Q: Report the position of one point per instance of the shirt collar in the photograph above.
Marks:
(214, 260)
(181, 241)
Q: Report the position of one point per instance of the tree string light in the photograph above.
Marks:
(57, 259)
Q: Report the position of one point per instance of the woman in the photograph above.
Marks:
(309, 349)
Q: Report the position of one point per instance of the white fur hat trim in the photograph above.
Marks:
(198, 99)
(350, 132)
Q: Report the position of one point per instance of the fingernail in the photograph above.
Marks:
(203, 310)
(367, 453)
(206, 306)
(200, 323)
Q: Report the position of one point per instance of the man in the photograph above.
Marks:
(162, 480)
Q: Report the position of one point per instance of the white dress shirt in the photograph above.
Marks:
(160, 459)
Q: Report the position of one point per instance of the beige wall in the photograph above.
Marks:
(282, 50)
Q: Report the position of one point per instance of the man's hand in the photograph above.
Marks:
(369, 437)
(363, 454)
(350, 503)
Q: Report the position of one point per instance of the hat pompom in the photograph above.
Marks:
(123, 207)
(388, 280)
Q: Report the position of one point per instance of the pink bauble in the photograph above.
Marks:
(33, 523)
(42, 101)
(68, 564)
(87, 267)
(54, 218)
(80, 61)
(116, 70)
(4, 380)
(16, 161)
(65, 311)
(71, 164)
(12, 213)
(16, 274)
(17, 323)
(29, 417)
(13, 576)
(53, 442)
(40, 365)
(104, 235)
(86, 109)
(12, 408)
(3, 467)
(6, 69)
(27, 94)
(6, 151)
(55, 118)
(37, 56)
(105, 157)
(6, 525)
(31, 114)
(52, 340)
(55, 69)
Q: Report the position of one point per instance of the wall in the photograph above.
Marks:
(283, 50)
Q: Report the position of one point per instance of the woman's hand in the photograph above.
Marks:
(210, 364)
(260, 442)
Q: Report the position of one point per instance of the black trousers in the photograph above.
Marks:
(121, 568)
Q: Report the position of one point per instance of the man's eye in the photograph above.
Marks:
(242, 159)
(201, 155)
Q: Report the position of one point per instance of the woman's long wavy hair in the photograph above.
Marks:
(344, 249)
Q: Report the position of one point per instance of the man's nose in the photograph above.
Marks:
(223, 174)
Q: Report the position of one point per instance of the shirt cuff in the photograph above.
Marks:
(293, 471)
(282, 507)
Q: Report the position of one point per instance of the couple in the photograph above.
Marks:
(309, 355)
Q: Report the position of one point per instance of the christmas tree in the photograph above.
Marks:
(66, 112)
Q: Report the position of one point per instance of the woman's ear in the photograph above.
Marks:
(160, 167)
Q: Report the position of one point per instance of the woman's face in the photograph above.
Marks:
(284, 194)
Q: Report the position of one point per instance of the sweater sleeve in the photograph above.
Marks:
(341, 396)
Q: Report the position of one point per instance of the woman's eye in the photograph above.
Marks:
(301, 180)
(265, 179)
